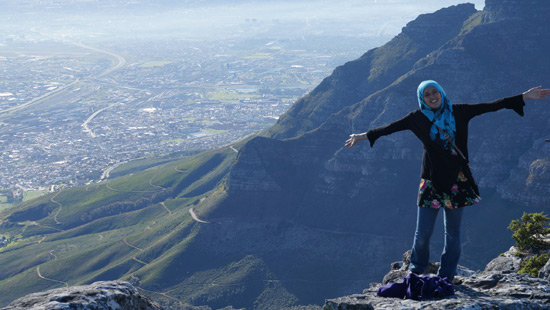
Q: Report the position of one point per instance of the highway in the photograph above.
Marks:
(119, 63)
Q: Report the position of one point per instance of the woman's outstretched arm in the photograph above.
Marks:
(373, 134)
(536, 93)
(515, 103)
(354, 138)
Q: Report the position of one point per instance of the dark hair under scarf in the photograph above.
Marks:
(441, 117)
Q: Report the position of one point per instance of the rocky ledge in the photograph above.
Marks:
(499, 286)
(97, 296)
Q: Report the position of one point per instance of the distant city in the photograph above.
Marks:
(88, 85)
(69, 112)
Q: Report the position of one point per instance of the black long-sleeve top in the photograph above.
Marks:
(438, 165)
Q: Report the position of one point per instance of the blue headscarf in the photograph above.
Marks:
(442, 117)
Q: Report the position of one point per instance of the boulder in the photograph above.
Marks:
(96, 296)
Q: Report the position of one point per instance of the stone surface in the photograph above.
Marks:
(113, 295)
(507, 262)
(545, 271)
(481, 291)
(497, 287)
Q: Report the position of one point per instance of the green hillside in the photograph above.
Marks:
(133, 224)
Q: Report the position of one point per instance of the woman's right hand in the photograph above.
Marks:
(354, 138)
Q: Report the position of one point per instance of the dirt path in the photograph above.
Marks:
(165, 207)
(132, 246)
(58, 209)
(48, 279)
(196, 218)
(162, 294)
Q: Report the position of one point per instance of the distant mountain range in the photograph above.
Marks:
(290, 217)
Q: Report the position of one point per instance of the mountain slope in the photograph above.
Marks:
(294, 217)
(373, 71)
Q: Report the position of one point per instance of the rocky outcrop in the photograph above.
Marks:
(480, 291)
(499, 286)
(96, 296)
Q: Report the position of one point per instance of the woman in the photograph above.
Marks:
(446, 180)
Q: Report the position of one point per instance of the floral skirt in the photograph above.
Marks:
(461, 194)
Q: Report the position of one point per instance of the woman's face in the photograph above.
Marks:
(432, 97)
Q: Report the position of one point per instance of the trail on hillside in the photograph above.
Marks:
(166, 208)
(161, 188)
(162, 294)
(54, 256)
(132, 246)
(195, 217)
(59, 209)
(136, 248)
(154, 185)
(48, 279)
(191, 211)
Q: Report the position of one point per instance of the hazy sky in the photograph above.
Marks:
(216, 18)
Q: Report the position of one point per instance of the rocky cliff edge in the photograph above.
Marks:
(499, 286)
(99, 295)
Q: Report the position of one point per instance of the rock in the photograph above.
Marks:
(394, 276)
(544, 272)
(96, 296)
(504, 264)
(497, 287)
(480, 291)
(399, 270)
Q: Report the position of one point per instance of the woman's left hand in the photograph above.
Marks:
(536, 93)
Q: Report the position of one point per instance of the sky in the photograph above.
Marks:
(213, 19)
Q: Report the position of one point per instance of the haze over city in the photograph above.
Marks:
(91, 84)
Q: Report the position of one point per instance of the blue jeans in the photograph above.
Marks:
(420, 255)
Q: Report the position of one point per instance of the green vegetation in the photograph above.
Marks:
(138, 165)
(33, 194)
(132, 225)
(530, 230)
(472, 22)
(533, 264)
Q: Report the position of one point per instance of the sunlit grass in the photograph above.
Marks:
(33, 194)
